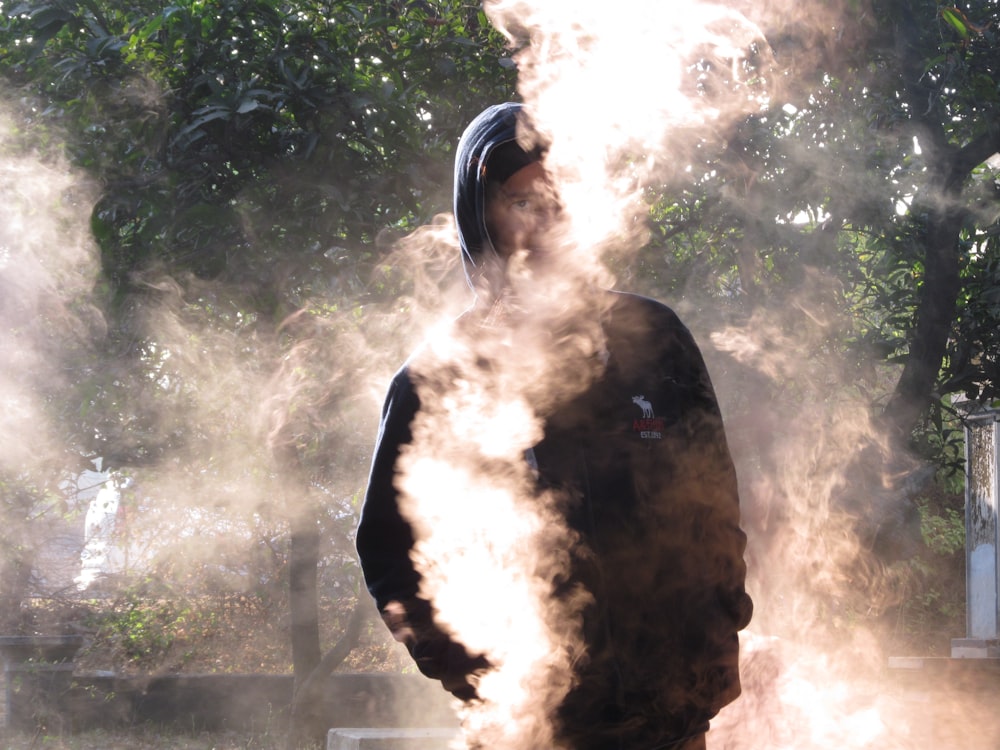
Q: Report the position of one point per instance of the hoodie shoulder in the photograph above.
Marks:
(643, 314)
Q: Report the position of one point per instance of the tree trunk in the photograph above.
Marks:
(311, 667)
(309, 723)
(15, 579)
(303, 596)
(937, 307)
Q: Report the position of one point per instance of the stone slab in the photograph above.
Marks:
(356, 738)
(941, 674)
(974, 648)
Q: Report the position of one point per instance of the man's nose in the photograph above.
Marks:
(548, 210)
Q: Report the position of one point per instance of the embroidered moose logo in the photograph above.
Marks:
(642, 403)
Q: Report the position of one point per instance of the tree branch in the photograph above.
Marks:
(976, 151)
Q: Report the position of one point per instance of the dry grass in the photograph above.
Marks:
(139, 739)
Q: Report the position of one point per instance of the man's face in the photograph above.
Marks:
(521, 214)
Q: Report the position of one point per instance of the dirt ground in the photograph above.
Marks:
(138, 739)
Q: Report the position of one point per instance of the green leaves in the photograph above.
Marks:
(43, 22)
(238, 140)
(954, 18)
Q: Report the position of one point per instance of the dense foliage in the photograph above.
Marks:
(252, 163)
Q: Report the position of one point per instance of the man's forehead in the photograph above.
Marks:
(533, 178)
(507, 159)
(537, 187)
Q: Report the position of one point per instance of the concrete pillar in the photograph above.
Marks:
(982, 535)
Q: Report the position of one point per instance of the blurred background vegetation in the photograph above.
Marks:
(202, 285)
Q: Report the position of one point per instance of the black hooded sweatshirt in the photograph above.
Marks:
(640, 451)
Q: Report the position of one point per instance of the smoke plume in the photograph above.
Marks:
(626, 97)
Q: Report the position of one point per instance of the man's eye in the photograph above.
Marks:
(522, 204)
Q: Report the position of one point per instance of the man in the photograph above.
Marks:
(628, 439)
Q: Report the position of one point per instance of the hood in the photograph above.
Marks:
(494, 127)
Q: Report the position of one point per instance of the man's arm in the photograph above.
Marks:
(384, 542)
(718, 475)
(710, 482)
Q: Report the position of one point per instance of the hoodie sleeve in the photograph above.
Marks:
(384, 541)
(710, 483)
(719, 478)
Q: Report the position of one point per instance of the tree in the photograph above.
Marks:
(929, 95)
(252, 154)
(838, 245)
(876, 161)
(886, 148)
